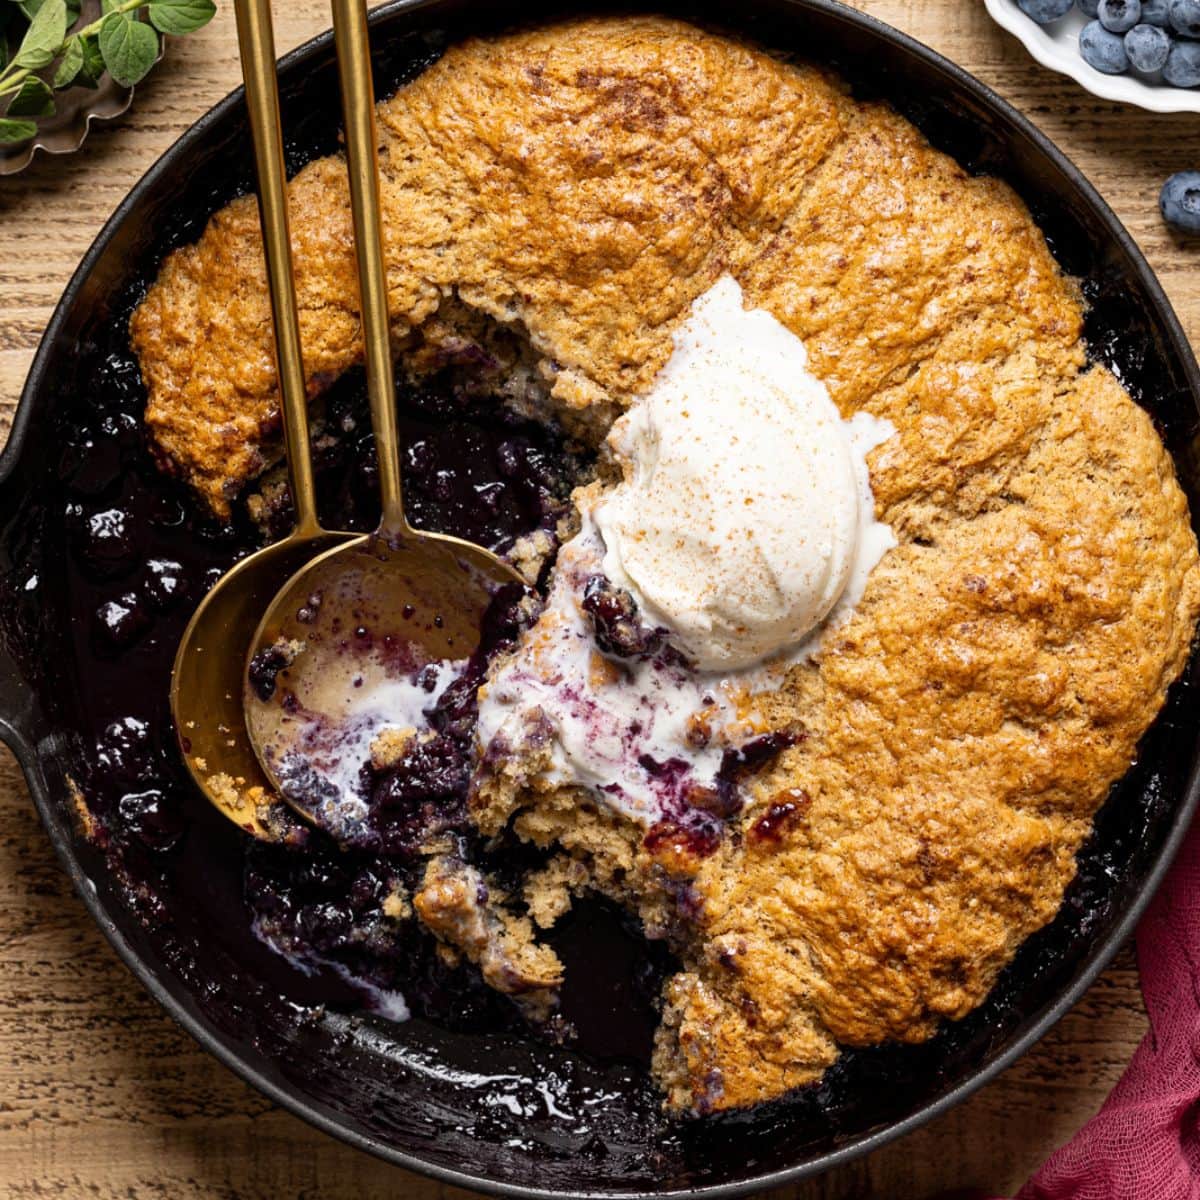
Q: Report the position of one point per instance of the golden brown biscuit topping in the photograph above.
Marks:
(576, 188)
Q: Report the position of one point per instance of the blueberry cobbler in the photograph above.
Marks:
(852, 585)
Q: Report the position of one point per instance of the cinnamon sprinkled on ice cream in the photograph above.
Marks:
(746, 508)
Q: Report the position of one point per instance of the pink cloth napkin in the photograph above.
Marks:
(1144, 1144)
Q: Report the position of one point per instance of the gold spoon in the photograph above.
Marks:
(206, 681)
(371, 613)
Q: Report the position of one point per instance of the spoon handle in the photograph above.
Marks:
(256, 41)
(358, 106)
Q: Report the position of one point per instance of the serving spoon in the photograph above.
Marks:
(369, 614)
(206, 680)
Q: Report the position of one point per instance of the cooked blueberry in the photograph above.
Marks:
(1120, 16)
(490, 495)
(166, 512)
(1180, 202)
(122, 428)
(367, 463)
(107, 543)
(619, 629)
(1156, 12)
(788, 808)
(454, 713)
(442, 487)
(745, 760)
(421, 457)
(164, 582)
(150, 818)
(434, 771)
(1183, 65)
(120, 377)
(698, 840)
(1185, 20)
(264, 669)
(1089, 8)
(510, 458)
(123, 750)
(124, 620)
(306, 614)
(1147, 47)
(1103, 50)
(1045, 11)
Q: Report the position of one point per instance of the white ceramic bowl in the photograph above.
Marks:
(1057, 47)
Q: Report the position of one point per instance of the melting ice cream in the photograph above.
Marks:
(745, 511)
(743, 527)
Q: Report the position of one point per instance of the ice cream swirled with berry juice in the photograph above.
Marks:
(743, 527)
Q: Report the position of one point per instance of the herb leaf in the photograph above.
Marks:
(121, 44)
(70, 64)
(30, 9)
(44, 36)
(181, 16)
(92, 70)
(16, 131)
(35, 99)
(129, 47)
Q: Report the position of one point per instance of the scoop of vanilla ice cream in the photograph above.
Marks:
(736, 524)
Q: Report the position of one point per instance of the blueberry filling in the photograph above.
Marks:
(140, 547)
(698, 825)
(142, 554)
(424, 792)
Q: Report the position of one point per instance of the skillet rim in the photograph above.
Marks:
(233, 1057)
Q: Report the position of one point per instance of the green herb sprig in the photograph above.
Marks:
(52, 54)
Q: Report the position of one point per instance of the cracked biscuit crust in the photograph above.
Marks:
(581, 183)
(584, 184)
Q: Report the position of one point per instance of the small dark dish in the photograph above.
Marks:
(499, 1111)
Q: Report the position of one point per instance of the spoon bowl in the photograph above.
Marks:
(206, 681)
(359, 642)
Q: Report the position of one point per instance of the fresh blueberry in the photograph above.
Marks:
(1180, 202)
(1185, 18)
(1120, 16)
(1155, 12)
(1044, 12)
(1183, 65)
(1089, 8)
(1103, 50)
(1147, 47)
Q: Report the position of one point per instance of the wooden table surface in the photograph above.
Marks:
(101, 1095)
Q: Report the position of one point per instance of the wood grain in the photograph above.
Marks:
(101, 1096)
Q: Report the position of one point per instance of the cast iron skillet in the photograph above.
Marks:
(498, 1112)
